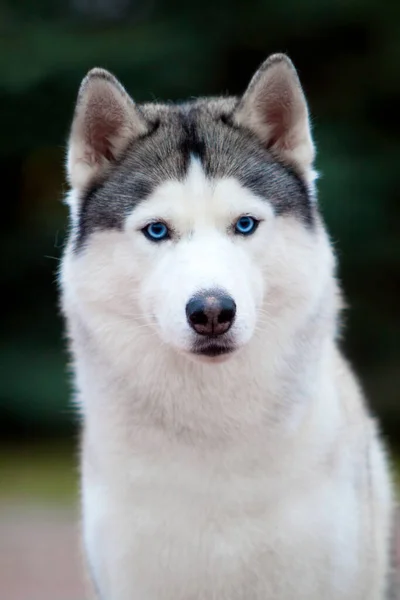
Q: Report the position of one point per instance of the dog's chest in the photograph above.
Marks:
(175, 527)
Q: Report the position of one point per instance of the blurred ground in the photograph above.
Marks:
(39, 553)
(40, 557)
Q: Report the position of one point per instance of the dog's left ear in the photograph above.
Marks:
(275, 109)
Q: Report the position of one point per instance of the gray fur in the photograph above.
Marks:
(204, 129)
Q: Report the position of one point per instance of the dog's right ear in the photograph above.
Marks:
(106, 120)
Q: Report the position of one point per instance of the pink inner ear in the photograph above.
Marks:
(103, 123)
(100, 140)
(279, 107)
(277, 127)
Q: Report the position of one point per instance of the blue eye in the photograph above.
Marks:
(246, 225)
(156, 232)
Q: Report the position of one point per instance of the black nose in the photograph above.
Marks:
(211, 312)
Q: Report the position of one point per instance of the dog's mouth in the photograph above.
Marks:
(212, 348)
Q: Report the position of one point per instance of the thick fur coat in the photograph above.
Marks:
(227, 453)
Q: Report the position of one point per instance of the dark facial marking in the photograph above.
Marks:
(105, 207)
(191, 143)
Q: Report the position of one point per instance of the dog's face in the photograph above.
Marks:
(199, 261)
(194, 223)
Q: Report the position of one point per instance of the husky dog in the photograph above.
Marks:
(227, 452)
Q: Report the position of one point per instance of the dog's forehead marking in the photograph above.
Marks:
(192, 135)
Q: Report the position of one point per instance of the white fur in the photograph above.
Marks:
(257, 478)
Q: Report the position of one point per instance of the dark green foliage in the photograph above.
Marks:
(347, 54)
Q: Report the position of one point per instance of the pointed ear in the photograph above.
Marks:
(106, 120)
(274, 108)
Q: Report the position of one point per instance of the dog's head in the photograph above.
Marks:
(194, 223)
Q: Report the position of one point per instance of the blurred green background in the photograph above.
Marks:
(348, 56)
